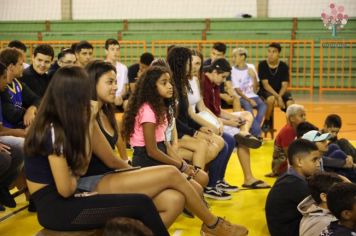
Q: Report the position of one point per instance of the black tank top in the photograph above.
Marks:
(96, 166)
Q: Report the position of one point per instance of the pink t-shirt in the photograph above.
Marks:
(146, 114)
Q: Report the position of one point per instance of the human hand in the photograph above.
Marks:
(252, 102)
(5, 148)
(281, 102)
(349, 163)
(29, 115)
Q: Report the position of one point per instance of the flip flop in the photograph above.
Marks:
(255, 185)
(248, 141)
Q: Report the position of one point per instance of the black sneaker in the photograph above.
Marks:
(187, 213)
(31, 206)
(6, 198)
(214, 193)
(224, 186)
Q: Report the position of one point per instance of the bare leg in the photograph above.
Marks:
(169, 204)
(270, 106)
(245, 129)
(236, 106)
(243, 154)
(198, 147)
(152, 181)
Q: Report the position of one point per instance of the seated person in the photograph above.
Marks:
(316, 215)
(120, 226)
(333, 159)
(244, 80)
(228, 96)
(290, 189)
(112, 52)
(333, 125)
(20, 46)
(36, 77)
(66, 57)
(274, 79)
(341, 201)
(19, 102)
(136, 70)
(11, 154)
(295, 115)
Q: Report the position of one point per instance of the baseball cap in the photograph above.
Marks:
(275, 45)
(316, 136)
(220, 64)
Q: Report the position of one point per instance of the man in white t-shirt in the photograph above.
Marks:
(244, 81)
(112, 51)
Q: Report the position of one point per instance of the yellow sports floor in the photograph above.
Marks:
(246, 206)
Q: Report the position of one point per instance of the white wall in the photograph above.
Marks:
(145, 9)
(306, 8)
(30, 10)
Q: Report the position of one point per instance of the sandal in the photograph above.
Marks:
(256, 185)
(248, 141)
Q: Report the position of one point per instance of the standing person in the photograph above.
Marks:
(19, 102)
(290, 189)
(58, 149)
(112, 51)
(22, 47)
(274, 76)
(244, 81)
(83, 52)
(227, 94)
(36, 76)
(235, 125)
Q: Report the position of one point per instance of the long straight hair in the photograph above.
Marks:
(95, 70)
(65, 107)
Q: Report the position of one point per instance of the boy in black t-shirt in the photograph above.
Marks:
(274, 79)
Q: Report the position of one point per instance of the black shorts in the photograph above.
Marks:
(141, 158)
(286, 96)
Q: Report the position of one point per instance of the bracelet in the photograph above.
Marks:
(196, 134)
(183, 167)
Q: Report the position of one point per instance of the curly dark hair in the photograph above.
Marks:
(146, 92)
(178, 58)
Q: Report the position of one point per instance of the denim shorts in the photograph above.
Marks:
(88, 183)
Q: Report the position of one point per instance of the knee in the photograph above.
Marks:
(178, 200)
(247, 115)
(270, 100)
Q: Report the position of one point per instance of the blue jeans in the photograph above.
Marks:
(261, 111)
(218, 166)
(11, 165)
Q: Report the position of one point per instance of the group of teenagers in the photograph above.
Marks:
(315, 190)
(181, 138)
(180, 147)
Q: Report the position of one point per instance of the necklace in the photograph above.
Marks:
(273, 73)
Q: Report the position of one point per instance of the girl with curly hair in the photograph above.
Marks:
(180, 61)
(144, 124)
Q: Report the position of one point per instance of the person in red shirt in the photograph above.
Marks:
(295, 115)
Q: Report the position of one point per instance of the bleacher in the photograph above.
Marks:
(236, 30)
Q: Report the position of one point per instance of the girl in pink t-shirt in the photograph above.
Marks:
(146, 120)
